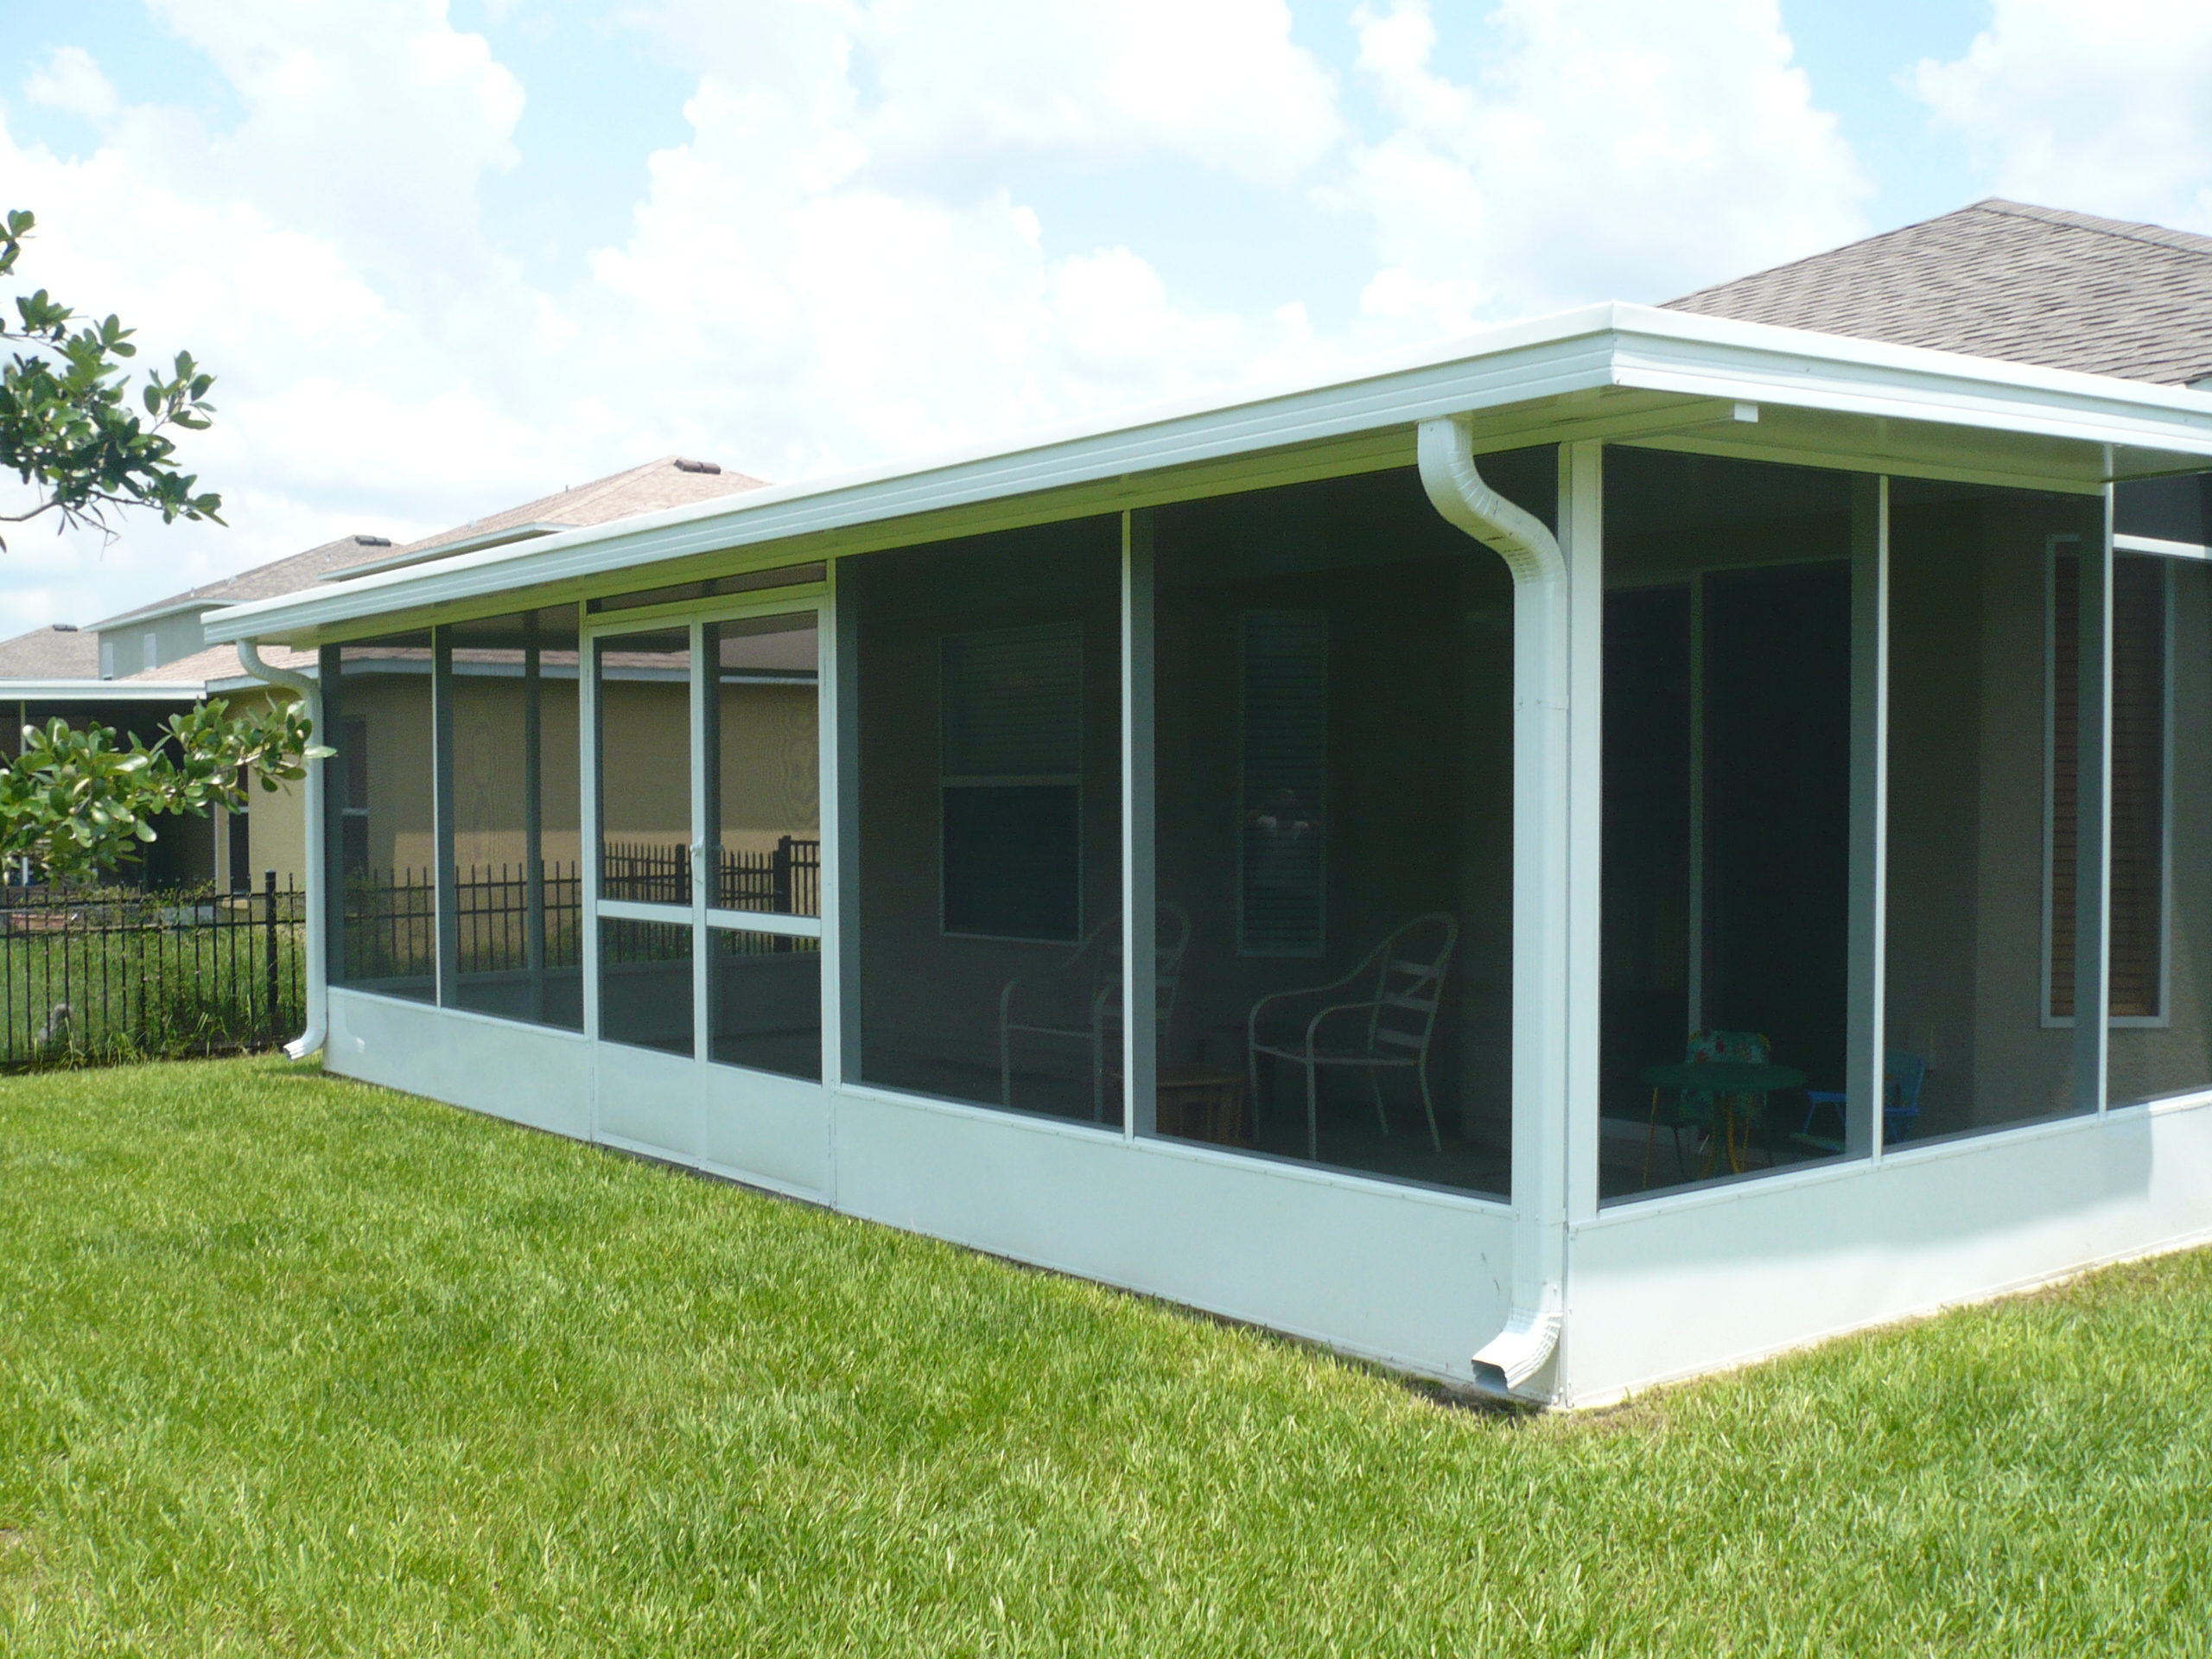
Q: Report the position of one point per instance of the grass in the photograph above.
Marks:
(292, 1365)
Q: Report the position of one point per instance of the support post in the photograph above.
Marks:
(1581, 534)
(1868, 885)
(1139, 900)
(446, 922)
(2093, 871)
(269, 940)
(841, 830)
(533, 815)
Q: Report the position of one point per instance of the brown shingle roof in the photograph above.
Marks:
(285, 575)
(671, 481)
(668, 482)
(51, 653)
(2004, 280)
(221, 663)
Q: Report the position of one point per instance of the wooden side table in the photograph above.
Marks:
(1203, 1102)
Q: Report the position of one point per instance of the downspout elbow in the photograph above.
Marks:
(1456, 489)
(317, 924)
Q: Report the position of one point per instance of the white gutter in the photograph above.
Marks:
(1649, 365)
(318, 924)
(1511, 1359)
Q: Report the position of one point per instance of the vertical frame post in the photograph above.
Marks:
(1694, 971)
(587, 745)
(2092, 870)
(446, 922)
(1868, 885)
(533, 815)
(1581, 521)
(330, 675)
(1140, 906)
(840, 862)
(705, 694)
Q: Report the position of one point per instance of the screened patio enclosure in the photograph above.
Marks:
(1550, 883)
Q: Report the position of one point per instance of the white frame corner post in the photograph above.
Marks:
(2093, 866)
(1140, 913)
(1864, 1060)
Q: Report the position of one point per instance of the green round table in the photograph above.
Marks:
(1729, 1080)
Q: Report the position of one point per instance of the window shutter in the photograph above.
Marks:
(1013, 703)
(1283, 662)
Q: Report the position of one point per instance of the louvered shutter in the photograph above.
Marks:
(1283, 671)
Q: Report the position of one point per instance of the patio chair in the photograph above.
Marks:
(1388, 1025)
(1079, 1001)
(1902, 1076)
(1696, 1109)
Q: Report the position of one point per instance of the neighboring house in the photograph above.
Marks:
(135, 669)
(1614, 817)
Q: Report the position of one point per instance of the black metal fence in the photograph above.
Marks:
(93, 974)
(785, 880)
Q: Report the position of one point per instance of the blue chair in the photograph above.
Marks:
(1902, 1076)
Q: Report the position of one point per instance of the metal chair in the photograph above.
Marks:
(1391, 1025)
(1079, 999)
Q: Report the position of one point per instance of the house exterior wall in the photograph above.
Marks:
(175, 637)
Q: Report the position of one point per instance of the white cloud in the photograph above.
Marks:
(835, 264)
(71, 81)
(1221, 83)
(2101, 106)
(1611, 149)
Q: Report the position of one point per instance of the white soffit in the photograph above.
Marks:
(1617, 373)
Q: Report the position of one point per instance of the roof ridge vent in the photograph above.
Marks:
(65, 627)
(374, 541)
(685, 464)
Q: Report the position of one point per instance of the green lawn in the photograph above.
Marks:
(291, 1365)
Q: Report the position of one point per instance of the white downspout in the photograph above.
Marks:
(1517, 1354)
(318, 997)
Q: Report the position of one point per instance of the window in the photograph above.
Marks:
(353, 801)
(381, 828)
(985, 866)
(1980, 702)
(151, 654)
(1011, 777)
(518, 888)
(1726, 814)
(1333, 827)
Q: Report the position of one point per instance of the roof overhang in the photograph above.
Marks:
(76, 691)
(1613, 372)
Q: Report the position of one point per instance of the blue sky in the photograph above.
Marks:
(448, 256)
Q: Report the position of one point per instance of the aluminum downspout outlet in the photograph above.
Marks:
(1517, 1354)
(318, 998)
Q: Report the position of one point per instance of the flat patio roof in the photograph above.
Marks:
(1612, 371)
